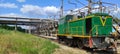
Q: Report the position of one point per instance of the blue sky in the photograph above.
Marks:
(39, 8)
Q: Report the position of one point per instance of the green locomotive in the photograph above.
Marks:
(92, 25)
(92, 31)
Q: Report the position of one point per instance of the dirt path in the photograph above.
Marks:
(68, 50)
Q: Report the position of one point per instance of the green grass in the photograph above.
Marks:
(12, 42)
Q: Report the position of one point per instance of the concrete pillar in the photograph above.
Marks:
(38, 29)
(26, 31)
(29, 30)
(16, 24)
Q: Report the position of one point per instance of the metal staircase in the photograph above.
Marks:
(116, 28)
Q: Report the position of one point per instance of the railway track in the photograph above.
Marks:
(88, 50)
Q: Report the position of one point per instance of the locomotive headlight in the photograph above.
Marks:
(103, 17)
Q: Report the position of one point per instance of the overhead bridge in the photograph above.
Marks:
(39, 23)
(22, 21)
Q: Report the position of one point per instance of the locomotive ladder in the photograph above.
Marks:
(114, 26)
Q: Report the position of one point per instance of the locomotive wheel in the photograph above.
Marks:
(70, 42)
(66, 41)
(59, 40)
(79, 44)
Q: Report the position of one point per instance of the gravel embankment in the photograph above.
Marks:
(69, 50)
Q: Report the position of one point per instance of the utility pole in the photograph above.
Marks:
(91, 3)
(100, 6)
(61, 9)
(89, 6)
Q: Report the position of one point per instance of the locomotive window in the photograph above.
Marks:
(88, 25)
(61, 21)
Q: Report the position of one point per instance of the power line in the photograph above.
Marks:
(72, 3)
(80, 2)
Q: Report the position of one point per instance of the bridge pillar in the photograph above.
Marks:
(16, 25)
(38, 29)
(29, 30)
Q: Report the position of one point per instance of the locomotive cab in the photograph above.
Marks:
(99, 22)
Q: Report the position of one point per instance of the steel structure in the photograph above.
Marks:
(41, 25)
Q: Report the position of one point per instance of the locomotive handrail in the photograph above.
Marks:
(116, 30)
(92, 30)
(118, 25)
(116, 22)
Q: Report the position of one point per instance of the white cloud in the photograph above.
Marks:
(8, 5)
(51, 10)
(30, 9)
(11, 15)
(37, 10)
(21, 0)
(116, 13)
